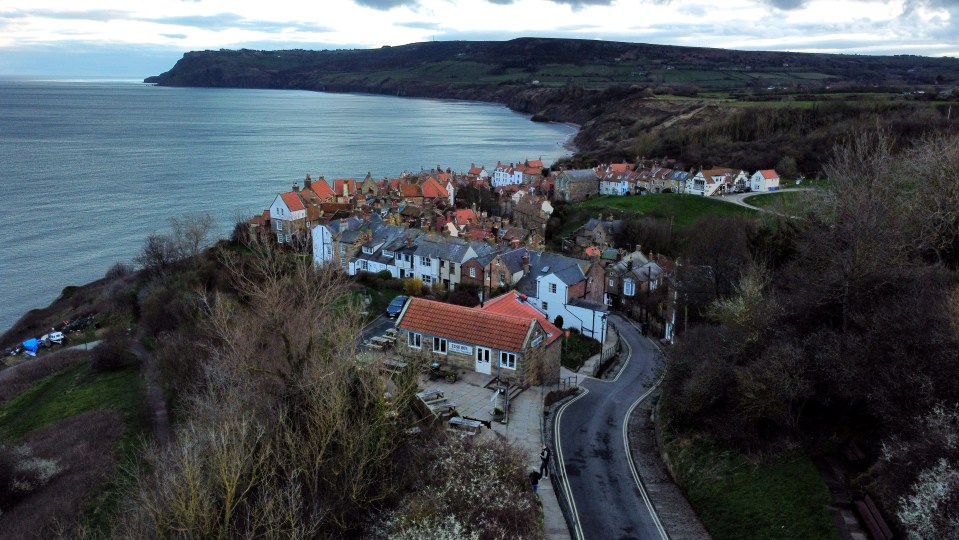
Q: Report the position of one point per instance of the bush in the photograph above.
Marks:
(119, 270)
(21, 474)
(114, 353)
(413, 287)
(385, 275)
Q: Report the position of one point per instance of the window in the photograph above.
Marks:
(452, 268)
(545, 306)
(279, 225)
(368, 250)
(388, 254)
(427, 280)
(552, 288)
(612, 282)
(507, 360)
(415, 340)
(472, 272)
(342, 249)
(629, 288)
(439, 345)
(427, 261)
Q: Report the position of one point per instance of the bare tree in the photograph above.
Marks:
(192, 233)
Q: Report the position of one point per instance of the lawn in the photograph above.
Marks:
(784, 498)
(778, 199)
(685, 210)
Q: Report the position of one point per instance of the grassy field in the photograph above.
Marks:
(69, 393)
(685, 210)
(736, 498)
(782, 202)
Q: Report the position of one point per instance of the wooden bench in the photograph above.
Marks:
(870, 515)
(444, 405)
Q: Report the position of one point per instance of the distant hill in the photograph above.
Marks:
(552, 63)
(625, 96)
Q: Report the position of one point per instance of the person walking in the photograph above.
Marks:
(534, 480)
(544, 461)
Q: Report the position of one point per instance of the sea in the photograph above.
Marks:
(90, 168)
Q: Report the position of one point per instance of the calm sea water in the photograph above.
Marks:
(89, 169)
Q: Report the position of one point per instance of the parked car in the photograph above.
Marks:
(396, 306)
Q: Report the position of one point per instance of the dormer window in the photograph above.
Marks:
(368, 250)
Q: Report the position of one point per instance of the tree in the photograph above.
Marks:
(191, 233)
(158, 255)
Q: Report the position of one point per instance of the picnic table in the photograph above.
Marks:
(394, 366)
(458, 423)
(427, 395)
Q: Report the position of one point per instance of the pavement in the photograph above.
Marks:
(523, 429)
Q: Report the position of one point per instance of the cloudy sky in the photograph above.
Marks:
(138, 38)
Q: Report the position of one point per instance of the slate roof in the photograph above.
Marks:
(581, 175)
(567, 269)
(511, 304)
(466, 325)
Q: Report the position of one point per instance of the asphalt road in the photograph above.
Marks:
(591, 444)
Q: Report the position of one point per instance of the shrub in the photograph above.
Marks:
(21, 474)
(113, 353)
(384, 275)
(119, 270)
(413, 287)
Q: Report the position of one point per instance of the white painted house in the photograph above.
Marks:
(506, 175)
(288, 214)
(764, 180)
(323, 246)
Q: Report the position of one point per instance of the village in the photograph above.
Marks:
(475, 243)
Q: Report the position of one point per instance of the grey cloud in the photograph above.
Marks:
(385, 5)
(575, 4)
(87, 15)
(786, 4)
(225, 21)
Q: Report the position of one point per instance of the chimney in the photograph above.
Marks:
(308, 183)
(409, 240)
(346, 189)
(296, 187)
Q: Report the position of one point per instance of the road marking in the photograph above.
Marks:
(577, 528)
(632, 465)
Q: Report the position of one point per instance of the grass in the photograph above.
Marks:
(778, 199)
(685, 210)
(74, 391)
(577, 349)
(69, 393)
(380, 298)
(782, 499)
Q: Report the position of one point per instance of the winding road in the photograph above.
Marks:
(606, 494)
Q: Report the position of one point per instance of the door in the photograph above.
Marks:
(483, 364)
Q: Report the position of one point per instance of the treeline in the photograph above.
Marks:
(843, 325)
(761, 137)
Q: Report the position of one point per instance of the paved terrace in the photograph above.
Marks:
(523, 430)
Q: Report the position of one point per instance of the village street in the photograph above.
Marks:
(608, 499)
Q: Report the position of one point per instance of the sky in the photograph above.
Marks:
(135, 39)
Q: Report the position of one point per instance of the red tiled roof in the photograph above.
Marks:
(293, 201)
(536, 163)
(322, 189)
(769, 174)
(478, 234)
(510, 304)
(340, 182)
(466, 325)
(410, 190)
(432, 189)
(466, 216)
